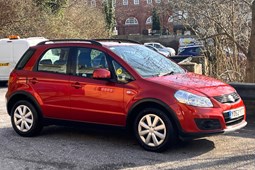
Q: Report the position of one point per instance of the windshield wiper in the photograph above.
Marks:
(166, 74)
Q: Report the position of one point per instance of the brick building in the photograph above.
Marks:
(135, 16)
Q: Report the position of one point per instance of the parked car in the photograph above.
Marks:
(194, 50)
(162, 51)
(161, 47)
(11, 50)
(127, 85)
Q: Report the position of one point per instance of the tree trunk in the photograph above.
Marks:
(250, 69)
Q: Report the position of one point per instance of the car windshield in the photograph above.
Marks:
(159, 46)
(146, 62)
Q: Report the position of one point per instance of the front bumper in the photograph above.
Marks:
(196, 122)
(186, 135)
(233, 128)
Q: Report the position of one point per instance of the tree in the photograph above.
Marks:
(224, 28)
(79, 21)
(25, 19)
(20, 18)
(155, 20)
(53, 6)
(250, 69)
(109, 13)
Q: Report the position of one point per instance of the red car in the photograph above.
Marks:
(119, 83)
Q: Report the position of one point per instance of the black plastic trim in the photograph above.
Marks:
(30, 96)
(70, 40)
(118, 40)
(164, 105)
(187, 136)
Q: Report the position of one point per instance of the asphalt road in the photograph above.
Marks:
(87, 148)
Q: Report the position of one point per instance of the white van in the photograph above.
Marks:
(11, 50)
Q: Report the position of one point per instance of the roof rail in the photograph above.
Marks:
(118, 40)
(66, 40)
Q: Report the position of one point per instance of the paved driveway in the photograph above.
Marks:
(89, 148)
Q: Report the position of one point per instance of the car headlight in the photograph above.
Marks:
(192, 99)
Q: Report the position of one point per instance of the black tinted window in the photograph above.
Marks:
(24, 59)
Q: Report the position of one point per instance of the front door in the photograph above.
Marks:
(93, 100)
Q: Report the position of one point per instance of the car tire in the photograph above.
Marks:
(154, 130)
(25, 119)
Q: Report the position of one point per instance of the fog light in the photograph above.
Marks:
(208, 124)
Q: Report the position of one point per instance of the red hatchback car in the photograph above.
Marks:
(119, 83)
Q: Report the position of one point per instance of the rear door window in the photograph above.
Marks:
(54, 60)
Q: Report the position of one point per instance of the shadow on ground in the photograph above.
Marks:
(111, 148)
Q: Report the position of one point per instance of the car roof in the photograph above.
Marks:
(99, 42)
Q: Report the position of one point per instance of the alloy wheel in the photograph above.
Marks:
(152, 130)
(23, 118)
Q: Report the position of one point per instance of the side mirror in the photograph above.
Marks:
(101, 73)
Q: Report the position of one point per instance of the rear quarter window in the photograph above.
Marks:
(24, 59)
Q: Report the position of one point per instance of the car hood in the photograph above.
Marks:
(194, 82)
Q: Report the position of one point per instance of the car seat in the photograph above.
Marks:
(84, 60)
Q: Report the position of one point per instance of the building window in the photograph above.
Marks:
(131, 21)
(149, 1)
(136, 2)
(149, 20)
(158, 1)
(93, 3)
(125, 2)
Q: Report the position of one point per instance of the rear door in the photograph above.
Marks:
(51, 82)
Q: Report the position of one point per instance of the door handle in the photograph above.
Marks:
(76, 85)
(34, 80)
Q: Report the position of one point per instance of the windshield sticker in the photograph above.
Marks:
(119, 71)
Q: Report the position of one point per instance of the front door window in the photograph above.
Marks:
(88, 60)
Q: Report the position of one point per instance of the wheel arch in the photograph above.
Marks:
(22, 95)
(154, 103)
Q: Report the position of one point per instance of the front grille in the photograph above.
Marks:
(228, 98)
(234, 121)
